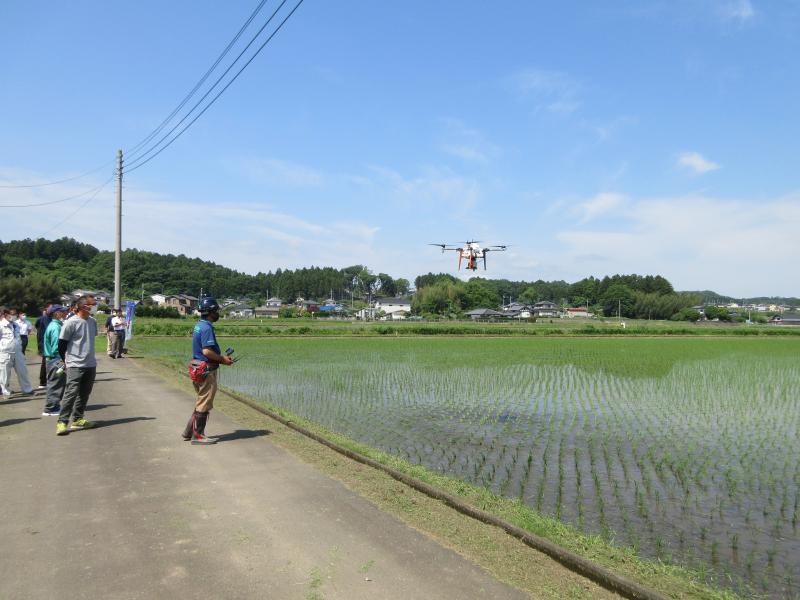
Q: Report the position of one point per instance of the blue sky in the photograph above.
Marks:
(593, 137)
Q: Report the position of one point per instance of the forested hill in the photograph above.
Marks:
(76, 265)
(72, 264)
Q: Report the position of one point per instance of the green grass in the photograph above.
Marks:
(543, 327)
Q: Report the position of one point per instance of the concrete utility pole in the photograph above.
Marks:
(118, 251)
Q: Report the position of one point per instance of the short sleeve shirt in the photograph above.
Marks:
(203, 337)
(79, 335)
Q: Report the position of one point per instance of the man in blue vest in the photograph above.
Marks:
(205, 349)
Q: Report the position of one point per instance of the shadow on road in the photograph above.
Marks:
(100, 406)
(18, 400)
(112, 379)
(241, 434)
(8, 422)
(112, 422)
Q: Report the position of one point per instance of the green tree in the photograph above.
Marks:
(29, 294)
(402, 286)
(442, 298)
(618, 299)
(479, 293)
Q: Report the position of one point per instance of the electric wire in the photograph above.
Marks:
(33, 185)
(132, 152)
(49, 202)
(141, 160)
(163, 124)
(73, 213)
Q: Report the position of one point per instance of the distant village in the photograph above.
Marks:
(399, 308)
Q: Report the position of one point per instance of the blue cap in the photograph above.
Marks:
(55, 308)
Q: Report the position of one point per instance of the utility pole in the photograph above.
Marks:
(118, 250)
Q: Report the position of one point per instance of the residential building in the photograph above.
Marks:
(271, 309)
(485, 313)
(545, 308)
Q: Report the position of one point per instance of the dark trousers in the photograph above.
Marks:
(24, 339)
(80, 381)
(43, 373)
(55, 385)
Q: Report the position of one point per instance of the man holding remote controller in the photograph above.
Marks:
(206, 359)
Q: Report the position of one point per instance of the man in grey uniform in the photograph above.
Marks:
(76, 347)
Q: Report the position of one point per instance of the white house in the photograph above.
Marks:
(159, 299)
(391, 305)
(545, 308)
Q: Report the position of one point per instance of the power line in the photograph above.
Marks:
(33, 185)
(49, 202)
(142, 161)
(73, 213)
(163, 124)
(202, 80)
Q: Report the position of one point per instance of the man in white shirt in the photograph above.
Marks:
(11, 356)
(25, 329)
(119, 324)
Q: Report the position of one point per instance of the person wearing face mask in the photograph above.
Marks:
(25, 329)
(11, 356)
(56, 376)
(76, 348)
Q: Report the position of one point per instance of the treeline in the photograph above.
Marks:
(630, 296)
(69, 264)
(53, 267)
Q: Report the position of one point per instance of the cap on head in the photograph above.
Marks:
(55, 308)
(208, 304)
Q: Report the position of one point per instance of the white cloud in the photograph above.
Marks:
(436, 188)
(277, 172)
(467, 143)
(600, 205)
(554, 91)
(696, 162)
(737, 10)
(244, 235)
(730, 246)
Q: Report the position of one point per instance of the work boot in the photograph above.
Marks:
(199, 432)
(187, 431)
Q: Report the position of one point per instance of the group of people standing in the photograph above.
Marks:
(66, 341)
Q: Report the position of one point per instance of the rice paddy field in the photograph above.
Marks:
(686, 449)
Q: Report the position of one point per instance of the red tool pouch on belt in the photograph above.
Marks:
(198, 369)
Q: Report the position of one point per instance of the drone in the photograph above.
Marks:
(472, 252)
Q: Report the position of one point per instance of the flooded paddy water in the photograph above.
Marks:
(686, 449)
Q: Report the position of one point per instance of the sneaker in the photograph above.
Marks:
(81, 424)
(51, 413)
(203, 441)
(41, 387)
(61, 428)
